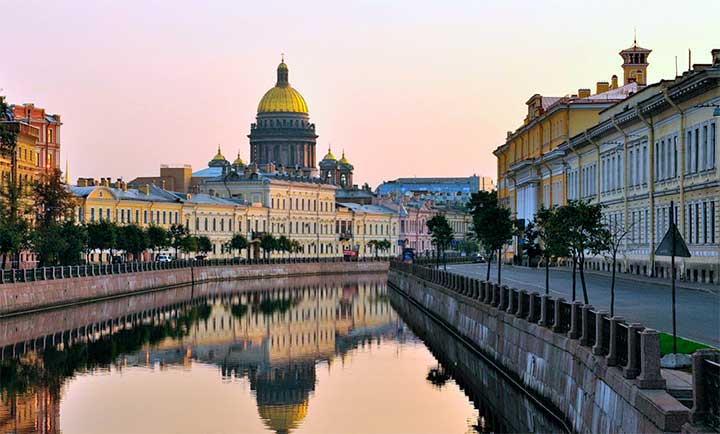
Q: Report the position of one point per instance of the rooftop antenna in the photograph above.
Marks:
(689, 59)
(282, 57)
(676, 71)
(635, 36)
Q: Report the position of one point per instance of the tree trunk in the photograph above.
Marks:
(582, 279)
(573, 277)
(547, 275)
(499, 261)
(489, 260)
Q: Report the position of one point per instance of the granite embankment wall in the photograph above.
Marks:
(30, 296)
(592, 396)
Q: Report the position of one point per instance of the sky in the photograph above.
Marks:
(406, 88)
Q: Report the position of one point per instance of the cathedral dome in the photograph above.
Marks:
(329, 156)
(282, 98)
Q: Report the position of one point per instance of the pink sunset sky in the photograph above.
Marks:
(407, 88)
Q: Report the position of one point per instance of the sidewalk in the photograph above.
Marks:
(711, 288)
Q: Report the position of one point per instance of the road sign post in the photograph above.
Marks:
(673, 245)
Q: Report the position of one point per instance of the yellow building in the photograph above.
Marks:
(27, 156)
(531, 167)
(368, 223)
(657, 147)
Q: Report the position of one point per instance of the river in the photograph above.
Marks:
(324, 354)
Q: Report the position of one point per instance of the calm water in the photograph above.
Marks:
(319, 355)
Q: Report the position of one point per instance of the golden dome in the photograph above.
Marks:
(284, 417)
(329, 155)
(239, 161)
(343, 159)
(219, 155)
(282, 98)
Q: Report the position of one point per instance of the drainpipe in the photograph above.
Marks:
(579, 172)
(599, 166)
(625, 184)
(651, 189)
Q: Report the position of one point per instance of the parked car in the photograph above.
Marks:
(200, 257)
(163, 257)
(478, 259)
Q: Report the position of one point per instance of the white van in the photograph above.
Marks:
(163, 257)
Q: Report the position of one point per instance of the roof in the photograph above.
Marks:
(208, 172)
(156, 194)
(370, 209)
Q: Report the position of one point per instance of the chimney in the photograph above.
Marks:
(614, 82)
(583, 93)
(602, 87)
(163, 184)
(716, 57)
(82, 182)
(145, 189)
(104, 182)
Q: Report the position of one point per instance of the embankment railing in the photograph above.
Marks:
(73, 271)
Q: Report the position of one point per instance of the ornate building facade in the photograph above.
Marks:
(282, 134)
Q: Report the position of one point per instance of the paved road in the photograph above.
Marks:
(698, 313)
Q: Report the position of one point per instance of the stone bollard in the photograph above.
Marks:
(587, 330)
(494, 294)
(544, 320)
(557, 317)
(701, 394)
(575, 320)
(504, 293)
(633, 356)
(650, 377)
(598, 349)
(612, 351)
(511, 308)
(487, 290)
(521, 311)
(533, 316)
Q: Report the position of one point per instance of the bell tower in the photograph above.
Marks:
(635, 64)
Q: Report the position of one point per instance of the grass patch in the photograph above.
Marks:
(684, 346)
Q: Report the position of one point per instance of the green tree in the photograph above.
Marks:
(48, 243)
(238, 242)
(491, 226)
(469, 247)
(15, 234)
(550, 232)
(157, 237)
(204, 245)
(383, 245)
(441, 235)
(616, 235)
(584, 233)
(53, 201)
(102, 235)
(268, 243)
(75, 237)
(295, 247)
(176, 236)
(283, 244)
(133, 240)
(189, 244)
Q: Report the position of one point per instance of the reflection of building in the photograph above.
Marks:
(280, 337)
(36, 410)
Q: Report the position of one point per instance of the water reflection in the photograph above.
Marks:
(312, 354)
(501, 407)
(275, 338)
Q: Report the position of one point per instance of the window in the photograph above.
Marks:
(145, 216)
(164, 218)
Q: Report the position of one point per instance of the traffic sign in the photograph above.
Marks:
(673, 244)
